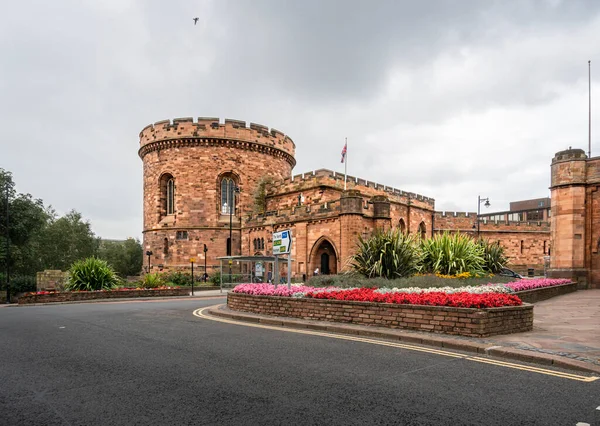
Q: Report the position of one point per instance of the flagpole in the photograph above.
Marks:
(590, 110)
(346, 165)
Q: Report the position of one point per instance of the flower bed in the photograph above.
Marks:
(438, 298)
(538, 294)
(71, 296)
(526, 284)
(441, 319)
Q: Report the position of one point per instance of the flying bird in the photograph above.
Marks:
(196, 20)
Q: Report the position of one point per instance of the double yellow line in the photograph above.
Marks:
(200, 314)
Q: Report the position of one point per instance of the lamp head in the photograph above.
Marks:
(487, 202)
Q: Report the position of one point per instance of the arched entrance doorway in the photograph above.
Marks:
(324, 257)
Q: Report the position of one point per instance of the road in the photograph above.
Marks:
(155, 363)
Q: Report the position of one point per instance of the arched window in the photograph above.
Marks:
(422, 230)
(402, 226)
(171, 196)
(228, 190)
(254, 244)
(262, 243)
(167, 194)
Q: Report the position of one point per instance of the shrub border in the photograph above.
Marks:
(438, 319)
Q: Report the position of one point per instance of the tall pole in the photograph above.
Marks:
(346, 164)
(478, 207)
(7, 248)
(205, 272)
(590, 109)
(230, 246)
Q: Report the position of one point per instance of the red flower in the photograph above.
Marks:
(456, 300)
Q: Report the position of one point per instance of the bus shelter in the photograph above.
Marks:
(236, 270)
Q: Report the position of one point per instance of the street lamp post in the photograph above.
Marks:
(231, 207)
(487, 204)
(205, 272)
(7, 247)
(149, 253)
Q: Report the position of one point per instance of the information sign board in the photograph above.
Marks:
(282, 242)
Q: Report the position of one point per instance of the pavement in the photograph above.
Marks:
(566, 333)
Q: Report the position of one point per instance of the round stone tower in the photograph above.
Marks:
(200, 177)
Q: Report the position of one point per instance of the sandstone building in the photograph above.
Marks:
(226, 187)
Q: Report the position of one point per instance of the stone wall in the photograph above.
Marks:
(545, 293)
(437, 319)
(525, 243)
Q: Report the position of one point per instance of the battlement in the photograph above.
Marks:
(468, 215)
(466, 221)
(321, 211)
(212, 128)
(569, 155)
(336, 180)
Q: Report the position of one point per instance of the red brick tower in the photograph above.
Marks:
(192, 170)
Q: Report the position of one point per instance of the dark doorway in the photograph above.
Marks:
(325, 264)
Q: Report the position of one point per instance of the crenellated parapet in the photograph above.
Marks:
(314, 212)
(329, 178)
(568, 168)
(209, 131)
(465, 222)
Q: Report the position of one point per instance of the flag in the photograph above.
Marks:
(344, 151)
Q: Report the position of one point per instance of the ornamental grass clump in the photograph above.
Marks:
(493, 256)
(388, 254)
(91, 274)
(452, 254)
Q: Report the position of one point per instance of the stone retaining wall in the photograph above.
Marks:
(94, 295)
(539, 294)
(438, 319)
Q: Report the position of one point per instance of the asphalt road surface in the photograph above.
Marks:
(155, 363)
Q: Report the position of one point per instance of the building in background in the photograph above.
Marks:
(216, 189)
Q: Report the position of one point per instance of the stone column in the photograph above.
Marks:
(568, 193)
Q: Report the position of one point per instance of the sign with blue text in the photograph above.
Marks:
(282, 242)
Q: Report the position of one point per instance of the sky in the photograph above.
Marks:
(448, 99)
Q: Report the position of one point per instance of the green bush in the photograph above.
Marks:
(388, 254)
(493, 256)
(91, 274)
(452, 254)
(152, 281)
(22, 284)
(181, 279)
(215, 278)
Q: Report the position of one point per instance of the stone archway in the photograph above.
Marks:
(324, 257)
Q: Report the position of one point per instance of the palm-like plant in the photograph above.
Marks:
(493, 256)
(388, 254)
(452, 254)
(91, 274)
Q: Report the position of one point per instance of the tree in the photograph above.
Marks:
(126, 257)
(66, 240)
(27, 218)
